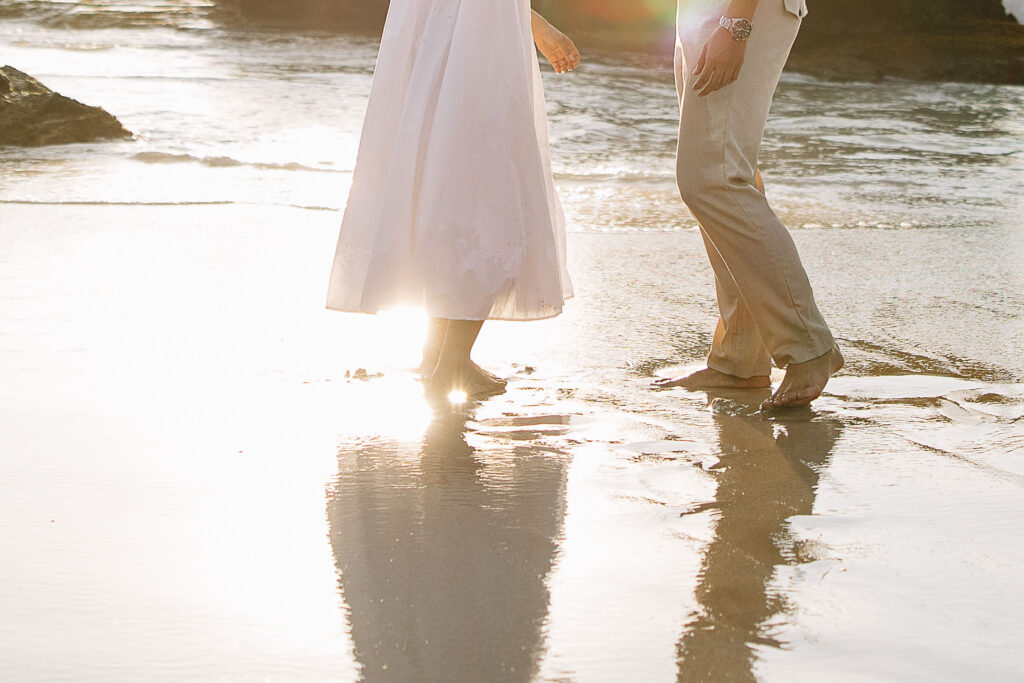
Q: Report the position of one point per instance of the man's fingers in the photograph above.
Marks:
(716, 79)
(702, 62)
(702, 82)
(715, 83)
(702, 73)
(710, 78)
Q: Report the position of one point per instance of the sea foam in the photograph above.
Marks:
(1015, 8)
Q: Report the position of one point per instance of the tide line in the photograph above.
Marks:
(226, 162)
(30, 202)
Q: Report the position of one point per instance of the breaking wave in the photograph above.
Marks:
(111, 13)
(226, 162)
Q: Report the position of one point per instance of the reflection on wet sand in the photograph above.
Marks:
(443, 552)
(767, 472)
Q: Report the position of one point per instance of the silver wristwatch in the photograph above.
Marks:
(740, 28)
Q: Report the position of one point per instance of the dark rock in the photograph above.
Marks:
(32, 115)
(866, 40)
(346, 15)
(936, 40)
(894, 16)
(976, 51)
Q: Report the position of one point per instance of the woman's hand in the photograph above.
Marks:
(720, 62)
(554, 45)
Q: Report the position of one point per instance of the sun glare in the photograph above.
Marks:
(457, 397)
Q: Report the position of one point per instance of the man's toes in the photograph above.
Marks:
(798, 399)
(775, 401)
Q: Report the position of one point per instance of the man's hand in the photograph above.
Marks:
(719, 64)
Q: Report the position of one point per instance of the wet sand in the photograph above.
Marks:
(193, 489)
(197, 483)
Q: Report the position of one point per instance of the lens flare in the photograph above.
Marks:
(615, 10)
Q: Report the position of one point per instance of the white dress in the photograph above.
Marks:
(452, 207)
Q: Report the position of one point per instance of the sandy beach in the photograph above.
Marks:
(207, 476)
(194, 488)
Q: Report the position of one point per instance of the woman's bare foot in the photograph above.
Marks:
(713, 379)
(804, 382)
(427, 365)
(554, 45)
(466, 377)
(437, 329)
(490, 375)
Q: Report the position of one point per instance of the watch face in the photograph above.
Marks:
(741, 29)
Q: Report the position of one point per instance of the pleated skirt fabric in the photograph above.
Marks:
(452, 206)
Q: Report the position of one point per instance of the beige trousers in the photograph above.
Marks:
(766, 305)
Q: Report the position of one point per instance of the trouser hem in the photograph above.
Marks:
(806, 353)
(734, 370)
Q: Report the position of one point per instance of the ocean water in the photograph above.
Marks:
(199, 484)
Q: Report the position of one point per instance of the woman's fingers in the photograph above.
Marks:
(565, 63)
(572, 57)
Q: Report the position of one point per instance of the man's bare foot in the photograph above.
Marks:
(466, 377)
(554, 45)
(804, 382)
(713, 379)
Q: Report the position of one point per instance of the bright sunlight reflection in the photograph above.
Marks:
(457, 396)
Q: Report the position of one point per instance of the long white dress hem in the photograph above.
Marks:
(453, 206)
